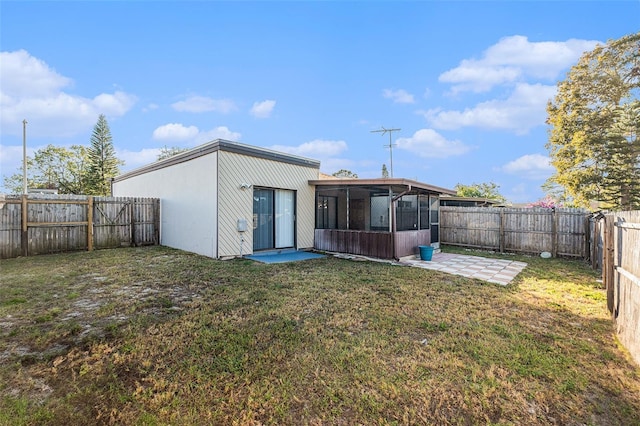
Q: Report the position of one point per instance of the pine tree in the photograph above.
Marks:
(621, 174)
(103, 163)
(385, 172)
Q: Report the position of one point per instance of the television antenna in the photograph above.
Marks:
(391, 144)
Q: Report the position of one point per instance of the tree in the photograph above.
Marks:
(343, 173)
(385, 172)
(52, 167)
(621, 182)
(480, 190)
(548, 202)
(166, 152)
(594, 118)
(103, 163)
(556, 192)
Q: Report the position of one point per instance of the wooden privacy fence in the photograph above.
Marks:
(560, 231)
(40, 224)
(620, 236)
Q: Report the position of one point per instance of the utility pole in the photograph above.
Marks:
(24, 156)
(390, 146)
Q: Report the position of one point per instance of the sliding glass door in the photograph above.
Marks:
(273, 219)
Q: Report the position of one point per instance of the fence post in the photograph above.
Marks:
(501, 230)
(554, 232)
(132, 228)
(156, 220)
(90, 223)
(24, 237)
(588, 240)
(608, 260)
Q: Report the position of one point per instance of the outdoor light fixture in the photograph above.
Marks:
(244, 186)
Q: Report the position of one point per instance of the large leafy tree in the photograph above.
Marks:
(480, 190)
(595, 120)
(167, 152)
(103, 163)
(344, 173)
(53, 167)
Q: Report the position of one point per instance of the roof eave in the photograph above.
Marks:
(221, 145)
(382, 181)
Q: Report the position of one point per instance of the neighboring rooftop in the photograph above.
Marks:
(455, 201)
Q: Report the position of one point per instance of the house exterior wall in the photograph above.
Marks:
(237, 203)
(188, 202)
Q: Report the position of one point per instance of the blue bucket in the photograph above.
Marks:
(426, 252)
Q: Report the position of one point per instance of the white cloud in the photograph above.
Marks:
(191, 135)
(399, 96)
(513, 59)
(188, 136)
(332, 165)
(315, 149)
(175, 132)
(26, 76)
(220, 132)
(11, 159)
(150, 107)
(204, 104)
(478, 77)
(519, 193)
(530, 166)
(31, 90)
(521, 111)
(328, 153)
(116, 104)
(428, 143)
(262, 109)
(134, 159)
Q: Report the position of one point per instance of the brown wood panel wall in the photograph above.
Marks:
(364, 243)
(407, 242)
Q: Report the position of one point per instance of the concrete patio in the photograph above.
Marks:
(497, 271)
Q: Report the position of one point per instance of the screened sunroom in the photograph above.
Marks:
(383, 218)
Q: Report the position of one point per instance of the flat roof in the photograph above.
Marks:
(407, 183)
(226, 146)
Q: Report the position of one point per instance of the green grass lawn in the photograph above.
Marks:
(147, 336)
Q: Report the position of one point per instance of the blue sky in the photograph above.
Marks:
(467, 82)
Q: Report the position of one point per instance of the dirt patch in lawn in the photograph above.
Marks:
(50, 309)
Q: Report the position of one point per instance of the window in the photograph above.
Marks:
(435, 220)
(327, 212)
(425, 220)
(407, 213)
(379, 213)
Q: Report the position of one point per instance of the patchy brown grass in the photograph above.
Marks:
(158, 336)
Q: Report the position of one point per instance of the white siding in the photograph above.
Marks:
(188, 202)
(236, 203)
